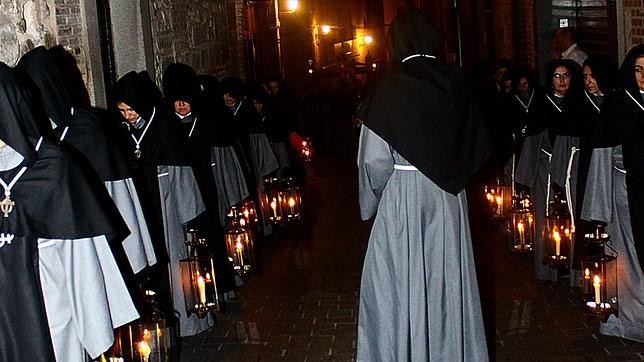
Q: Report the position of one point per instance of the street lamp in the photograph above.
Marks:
(326, 29)
(291, 5)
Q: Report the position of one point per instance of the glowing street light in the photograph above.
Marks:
(292, 5)
(326, 29)
(368, 39)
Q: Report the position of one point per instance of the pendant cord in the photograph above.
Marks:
(553, 103)
(529, 101)
(193, 127)
(140, 139)
(237, 109)
(7, 187)
(573, 150)
(634, 100)
(592, 102)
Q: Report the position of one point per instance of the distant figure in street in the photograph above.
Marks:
(421, 141)
(564, 44)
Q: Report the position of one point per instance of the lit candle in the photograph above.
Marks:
(597, 284)
(239, 246)
(274, 207)
(557, 238)
(144, 350)
(291, 203)
(489, 196)
(159, 340)
(499, 204)
(587, 273)
(201, 284)
(521, 233)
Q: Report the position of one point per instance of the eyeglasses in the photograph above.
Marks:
(561, 75)
(639, 69)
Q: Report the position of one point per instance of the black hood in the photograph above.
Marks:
(425, 109)
(576, 81)
(38, 65)
(627, 71)
(18, 127)
(604, 72)
(180, 82)
(137, 91)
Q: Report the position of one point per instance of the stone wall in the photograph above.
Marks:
(197, 33)
(633, 23)
(25, 24)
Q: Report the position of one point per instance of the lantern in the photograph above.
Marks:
(272, 200)
(599, 284)
(307, 150)
(199, 286)
(149, 339)
(239, 245)
(559, 235)
(499, 197)
(291, 200)
(248, 211)
(521, 224)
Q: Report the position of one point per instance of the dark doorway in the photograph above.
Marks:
(107, 47)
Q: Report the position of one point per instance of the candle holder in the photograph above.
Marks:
(599, 283)
(307, 150)
(272, 201)
(145, 340)
(239, 244)
(291, 200)
(499, 198)
(559, 235)
(199, 285)
(521, 224)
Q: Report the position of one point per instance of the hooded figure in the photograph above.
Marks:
(181, 89)
(84, 133)
(54, 237)
(540, 167)
(232, 186)
(163, 174)
(421, 141)
(615, 192)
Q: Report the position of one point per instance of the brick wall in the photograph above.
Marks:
(194, 32)
(633, 23)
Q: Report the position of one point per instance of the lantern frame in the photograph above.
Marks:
(239, 244)
(599, 281)
(521, 225)
(499, 197)
(559, 235)
(155, 334)
(271, 202)
(291, 196)
(307, 149)
(199, 285)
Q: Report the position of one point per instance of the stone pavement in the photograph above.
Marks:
(303, 304)
(543, 321)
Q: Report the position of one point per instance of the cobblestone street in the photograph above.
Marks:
(303, 304)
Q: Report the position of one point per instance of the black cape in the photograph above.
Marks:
(180, 82)
(53, 200)
(425, 109)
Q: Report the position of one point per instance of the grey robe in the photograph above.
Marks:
(606, 199)
(565, 155)
(264, 162)
(180, 203)
(419, 297)
(532, 171)
(231, 184)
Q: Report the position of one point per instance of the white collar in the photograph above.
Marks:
(569, 50)
(182, 117)
(418, 55)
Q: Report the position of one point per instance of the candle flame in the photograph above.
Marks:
(291, 202)
(566, 232)
(201, 281)
(144, 349)
(208, 279)
(597, 280)
(239, 245)
(499, 200)
(587, 273)
(556, 236)
(520, 226)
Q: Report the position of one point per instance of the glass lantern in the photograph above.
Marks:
(307, 150)
(146, 340)
(199, 285)
(248, 211)
(239, 245)
(599, 283)
(559, 235)
(291, 200)
(499, 198)
(272, 200)
(521, 224)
